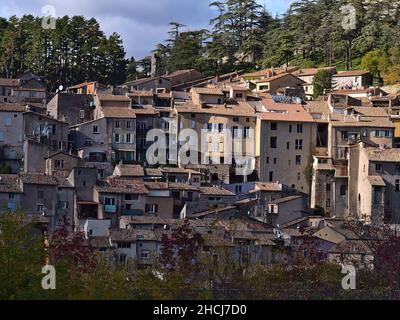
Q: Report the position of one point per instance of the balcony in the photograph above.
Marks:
(110, 208)
(133, 212)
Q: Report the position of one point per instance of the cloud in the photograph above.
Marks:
(141, 23)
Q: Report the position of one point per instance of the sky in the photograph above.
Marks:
(141, 23)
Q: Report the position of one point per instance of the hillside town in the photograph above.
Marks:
(79, 157)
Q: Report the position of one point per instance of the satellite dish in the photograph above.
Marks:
(60, 88)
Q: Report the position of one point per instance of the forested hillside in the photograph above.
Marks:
(243, 34)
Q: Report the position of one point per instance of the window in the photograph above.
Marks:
(129, 124)
(299, 144)
(82, 114)
(328, 187)
(343, 190)
(299, 128)
(271, 176)
(378, 167)
(151, 208)
(290, 128)
(95, 129)
(238, 189)
(275, 160)
(63, 204)
(239, 95)
(235, 131)
(109, 201)
(247, 131)
(235, 119)
(220, 127)
(59, 163)
(267, 160)
(397, 169)
(274, 126)
(397, 186)
(328, 203)
(1, 136)
(116, 138)
(274, 142)
(298, 160)
(40, 208)
(11, 196)
(143, 125)
(122, 258)
(144, 254)
(128, 138)
(117, 124)
(298, 176)
(124, 245)
(40, 194)
(8, 121)
(131, 197)
(190, 196)
(176, 195)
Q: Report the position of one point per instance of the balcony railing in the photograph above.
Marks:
(110, 208)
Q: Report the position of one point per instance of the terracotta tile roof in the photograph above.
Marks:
(133, 235)
(148, 220)
(268, 72)
(312, 71)
(267, 186)
(156, 185)
(278, 76)
(153, 172)
(140, 93)
(145, 110)
(122, 186)
(213, 191)
(9, 184)
(212, 211)
(351, 73)
(37, 178)
(81, 85)
(287, 112)
(373, 91)
(143, 81)
(240, 109)
(7, 82)
(63, 153)
(100, 243)
(179, 170)
(386, 155)
(208, 91)
(339, 120)
(12, 107)
(376, 181)
(181, 186)
(130, 170)
(286, 199)
(112, 97)
(118, 112)
(318, 107)
(372, 111)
